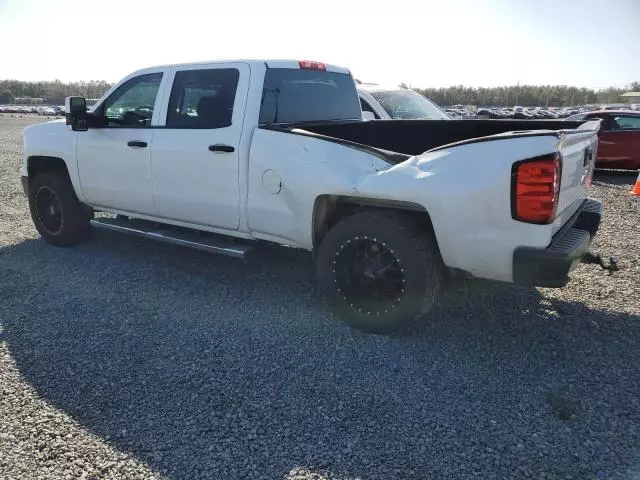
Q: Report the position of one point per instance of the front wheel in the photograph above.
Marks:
(57, 214)
(378, 271)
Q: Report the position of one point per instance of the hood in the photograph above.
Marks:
(45, 127)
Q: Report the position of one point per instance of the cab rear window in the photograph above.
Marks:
(291, 95)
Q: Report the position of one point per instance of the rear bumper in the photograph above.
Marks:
(549, 267)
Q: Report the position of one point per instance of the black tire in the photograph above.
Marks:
(57, 213)
(412, 262)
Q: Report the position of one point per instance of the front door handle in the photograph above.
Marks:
(218, 147)
(137, 143)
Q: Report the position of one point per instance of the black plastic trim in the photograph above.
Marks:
(550, 267)
(221, 148)
(589, 218)
(25, 185)
(387, 155)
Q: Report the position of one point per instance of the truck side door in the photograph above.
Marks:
(114, 160)
(194, 155)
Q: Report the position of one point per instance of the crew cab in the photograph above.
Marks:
(222, 156)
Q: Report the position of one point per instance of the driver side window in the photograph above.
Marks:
(131, 105)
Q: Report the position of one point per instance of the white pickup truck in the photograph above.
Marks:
(220, 156)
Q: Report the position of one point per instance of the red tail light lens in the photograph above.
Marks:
(309, 65)
(535, 188)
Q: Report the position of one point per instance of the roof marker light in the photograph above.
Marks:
(309, 65)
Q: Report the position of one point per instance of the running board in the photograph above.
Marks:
(176, 235)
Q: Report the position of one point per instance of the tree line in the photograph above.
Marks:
(527, 95)
(54, 92)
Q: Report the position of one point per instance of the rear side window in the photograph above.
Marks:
(625, 122)
(202, 98)
(292, 95)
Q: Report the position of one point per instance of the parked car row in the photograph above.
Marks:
(521, 113)
(458, 111)
(44, 110)
(17, 109)
(517, 112)
(525, 113)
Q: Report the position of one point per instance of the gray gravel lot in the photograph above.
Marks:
(123, 358)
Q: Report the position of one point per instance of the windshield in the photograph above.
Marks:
(407, 104)
(290, 95)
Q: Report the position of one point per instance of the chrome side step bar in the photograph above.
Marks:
(177, 236)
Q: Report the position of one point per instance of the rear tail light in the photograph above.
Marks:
(535, 188)
(309, 65)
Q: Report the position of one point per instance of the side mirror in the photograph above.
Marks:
(76, 113)
(367, 115)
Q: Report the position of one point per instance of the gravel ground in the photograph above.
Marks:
(123, 358)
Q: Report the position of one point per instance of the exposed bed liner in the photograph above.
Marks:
(413, 137)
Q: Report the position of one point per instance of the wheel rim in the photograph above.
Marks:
(369, 276)
(49, 210)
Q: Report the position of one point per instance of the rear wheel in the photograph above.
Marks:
(378, 271)
(56, 212)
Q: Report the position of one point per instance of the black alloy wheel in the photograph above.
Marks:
(49, 210)
(379, 270)
(369, 276)
(56, 212)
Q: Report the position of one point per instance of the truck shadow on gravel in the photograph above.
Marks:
(615, 177)
(207, 366)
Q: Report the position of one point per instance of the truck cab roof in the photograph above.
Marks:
(274, 63)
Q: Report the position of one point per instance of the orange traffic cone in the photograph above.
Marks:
(636, 188)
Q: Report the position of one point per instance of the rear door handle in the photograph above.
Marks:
(137, 143)
(218, 147)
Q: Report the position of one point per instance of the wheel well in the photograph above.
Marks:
(330, 209)
(39, 164)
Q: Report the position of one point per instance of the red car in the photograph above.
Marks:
(619, 145)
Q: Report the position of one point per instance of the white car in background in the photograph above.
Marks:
(396, 103)
(46, 111)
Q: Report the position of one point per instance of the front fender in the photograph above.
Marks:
(52, 139)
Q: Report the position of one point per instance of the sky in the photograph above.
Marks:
(423, 43)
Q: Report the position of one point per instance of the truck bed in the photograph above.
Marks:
(413, 137)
